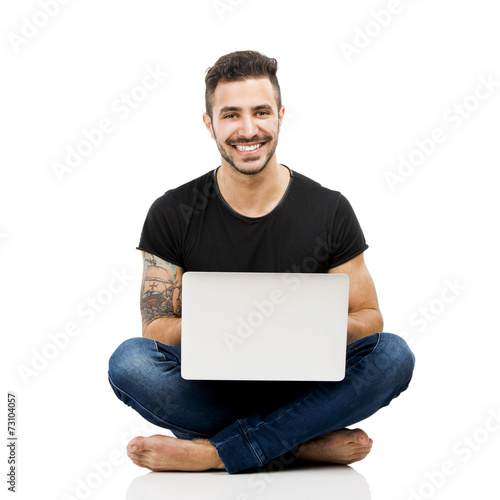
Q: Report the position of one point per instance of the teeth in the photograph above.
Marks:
(248, 148)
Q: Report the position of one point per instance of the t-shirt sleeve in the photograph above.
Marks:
(162, 231)
(347, 239)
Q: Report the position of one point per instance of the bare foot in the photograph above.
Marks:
(163, 453)
(344, 446)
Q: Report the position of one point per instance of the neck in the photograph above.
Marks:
(253, 195)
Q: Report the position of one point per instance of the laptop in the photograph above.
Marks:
(264, 326)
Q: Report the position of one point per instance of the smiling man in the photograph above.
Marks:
(247, 155)
(252, 214)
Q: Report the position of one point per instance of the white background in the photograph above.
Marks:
(349, 119)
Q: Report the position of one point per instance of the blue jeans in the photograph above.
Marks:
(254, 423)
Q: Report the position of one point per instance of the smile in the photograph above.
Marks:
(248, 148)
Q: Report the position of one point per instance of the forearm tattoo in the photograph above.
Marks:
(161, 290)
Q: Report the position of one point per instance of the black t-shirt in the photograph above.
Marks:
(312, 229)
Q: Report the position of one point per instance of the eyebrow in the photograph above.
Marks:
(260, 107)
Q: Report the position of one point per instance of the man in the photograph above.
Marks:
(252, 214)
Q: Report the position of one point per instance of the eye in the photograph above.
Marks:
(231, 115)
(263, 113)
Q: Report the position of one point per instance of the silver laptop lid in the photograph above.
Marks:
(264, 326)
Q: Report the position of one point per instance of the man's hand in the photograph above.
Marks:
(364, 313)
(161, 300)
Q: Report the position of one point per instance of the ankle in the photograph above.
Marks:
(209, 454)
(303, 449)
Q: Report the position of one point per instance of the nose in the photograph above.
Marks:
(248, 127)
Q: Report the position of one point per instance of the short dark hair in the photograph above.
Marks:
(238, 66)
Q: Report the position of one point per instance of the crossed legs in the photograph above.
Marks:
(245, 425)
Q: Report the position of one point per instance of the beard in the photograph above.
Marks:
(256, 170)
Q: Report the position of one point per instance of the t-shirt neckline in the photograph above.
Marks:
(245, 217)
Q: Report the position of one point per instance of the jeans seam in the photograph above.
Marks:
(168, 424)
(226, 440)
(159, 352)
(368, 355)
(250, 443)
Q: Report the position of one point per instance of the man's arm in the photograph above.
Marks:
(161, 300)
(364, 313)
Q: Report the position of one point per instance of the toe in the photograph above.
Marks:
(137, 456)
(136, 444)
(360, 436)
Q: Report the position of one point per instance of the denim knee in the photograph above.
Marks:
(398, 358)
(129, 360)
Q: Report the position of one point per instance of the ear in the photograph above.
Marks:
(281, 115)
(208, 123)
